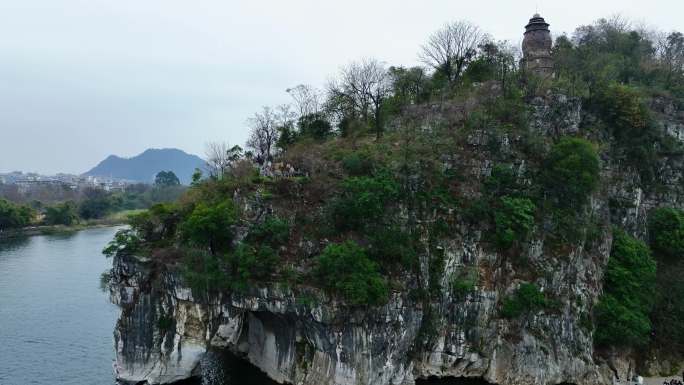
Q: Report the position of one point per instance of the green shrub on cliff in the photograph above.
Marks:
(209, 225)
(125, 242)
(252, 262)
(571, 172)
(502, 181)
(345, 269)
(514, 219)
(358, 163)
(156, 225)
(619, 324)
(666, 233)
(464, 282)
(392, 246)
(205, 272)
(628, 291)
(666, 237)
(629, 120)
(622, 110)
(272, 231)
(364, 200)
(667, 316)
(527, 299)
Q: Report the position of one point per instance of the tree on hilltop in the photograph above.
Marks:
(450, 49)
(166, 179)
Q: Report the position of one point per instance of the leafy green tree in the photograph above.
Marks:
(622, 109)
(628, 291)
(495, 61)
(210, 224)
(196, 177)
(345, 269)
(571, 172)
(95, 204)
(610, 51)
(618, 324)
(287, 136)
(409, 86)
(61, 214)
(315, 126)
(166, 179)
(158, 224)
(13, 216)
(514, 219)
(666, 233)
(125, 242)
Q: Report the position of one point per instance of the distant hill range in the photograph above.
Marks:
(144, 167)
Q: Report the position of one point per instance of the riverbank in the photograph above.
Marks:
(115, 219)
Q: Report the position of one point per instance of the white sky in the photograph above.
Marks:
(82, 79)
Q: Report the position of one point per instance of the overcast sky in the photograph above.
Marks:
(80, 80)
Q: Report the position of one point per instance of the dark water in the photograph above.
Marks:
(56, 324)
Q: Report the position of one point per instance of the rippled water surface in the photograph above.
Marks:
(55, 323)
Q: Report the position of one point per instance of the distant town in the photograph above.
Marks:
(28, 181)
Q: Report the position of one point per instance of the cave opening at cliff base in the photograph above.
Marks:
(224, 368)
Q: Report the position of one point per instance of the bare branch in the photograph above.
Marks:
(307, 99)
(217, 159)
(451, 48)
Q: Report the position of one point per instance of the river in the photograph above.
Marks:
(56, 323)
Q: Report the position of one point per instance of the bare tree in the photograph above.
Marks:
(362, 87)
(265, 129)
(670, 51)
(307, 99)
(218, 160)
(451, 48)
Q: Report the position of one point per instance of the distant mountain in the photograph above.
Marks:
(144, 167)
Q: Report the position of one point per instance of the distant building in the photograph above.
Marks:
(28, 184)
(536, 47)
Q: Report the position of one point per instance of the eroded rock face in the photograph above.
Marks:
(163, 330)
(290, 341)
(301, 336)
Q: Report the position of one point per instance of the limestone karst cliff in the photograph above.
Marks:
(516, 225)
(299, 333)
